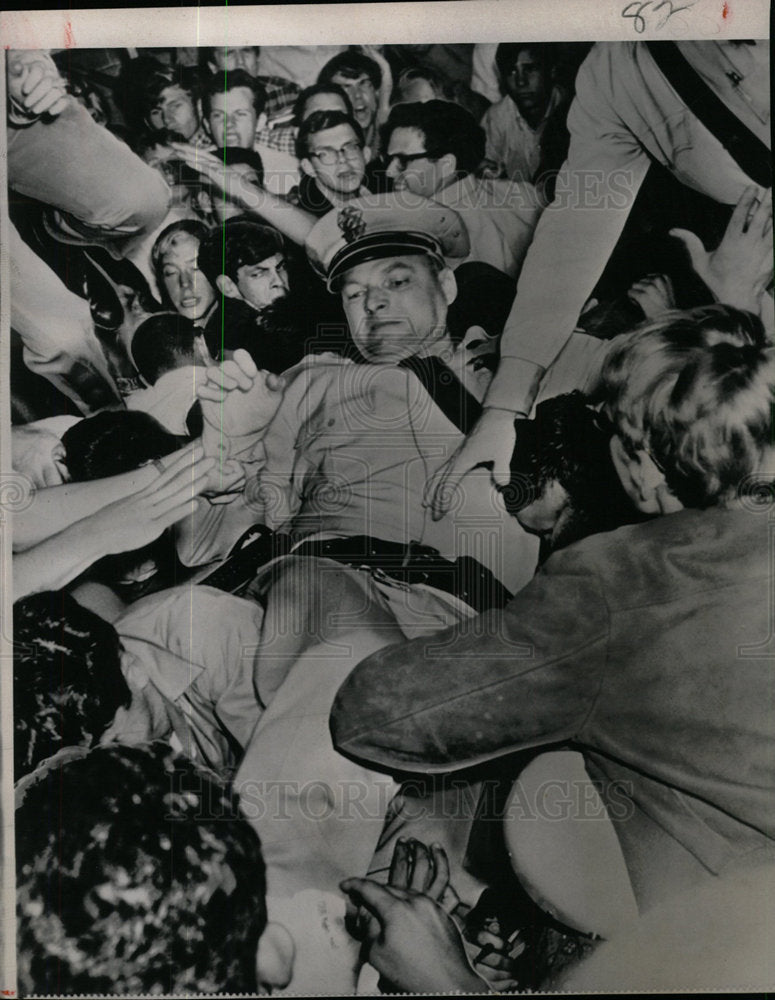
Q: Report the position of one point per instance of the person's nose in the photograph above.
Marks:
(186, 280)
(393, 169)
(374, 300)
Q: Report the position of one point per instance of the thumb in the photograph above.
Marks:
(694, 247)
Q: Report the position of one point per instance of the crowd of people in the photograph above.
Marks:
(392, 570)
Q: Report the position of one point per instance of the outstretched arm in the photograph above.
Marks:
(121, 526)
(290, 220)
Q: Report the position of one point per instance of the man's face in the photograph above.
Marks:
(233, 118)
(239, 57)
(344, 174)
(420, 175)
(174, 111)
(325, 101)
(263, 283)
(527, 85)
(190, 292)
(397, 307)
(363, 97)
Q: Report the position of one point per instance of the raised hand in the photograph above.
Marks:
(412, 941)
(491, 442)
(739, 270)
(34, 84)
(237, 399)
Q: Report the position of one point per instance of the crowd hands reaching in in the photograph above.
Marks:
(259, 258)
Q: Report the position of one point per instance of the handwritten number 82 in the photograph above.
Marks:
(635, 11)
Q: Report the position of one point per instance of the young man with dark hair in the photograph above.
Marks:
(281, 93)
(432, 149)
(128, 862)
(168, 103)
(361, 78)
(248, 264)
(233, 108)
(515, 125)
(331, 149)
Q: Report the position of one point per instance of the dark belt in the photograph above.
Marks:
(408, 564)
(413, 563)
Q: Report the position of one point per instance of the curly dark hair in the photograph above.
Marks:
(136, 874)
(67, 680)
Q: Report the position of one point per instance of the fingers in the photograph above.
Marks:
(422, 869)
(245, 363)
(378, 899)
(180, 490)
(399, 865)
(740, 217)
(440, 879)
(760, 222)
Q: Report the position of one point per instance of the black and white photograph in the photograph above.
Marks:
(387, 504)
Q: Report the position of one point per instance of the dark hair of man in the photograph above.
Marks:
(230, 155)
(238, 243)
(153, 86)
(351, 65)
(192, 227)
(506, 56)
(320, 121)
(115, 441)
(162, 343)
(565, 442)
(319, 88)
(484, 298)
(136, 875)
(446, 128)
(67, 680)
(222, 83)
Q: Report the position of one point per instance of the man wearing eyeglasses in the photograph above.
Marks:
(433, 149)
(332, 153)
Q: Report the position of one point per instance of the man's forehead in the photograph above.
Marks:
(237, 96)
(273, 260)
(171, 93)
(385, 265)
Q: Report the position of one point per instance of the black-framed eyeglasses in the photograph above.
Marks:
(404, 159)
(329, 156)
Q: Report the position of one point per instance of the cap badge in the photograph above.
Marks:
(350, 220)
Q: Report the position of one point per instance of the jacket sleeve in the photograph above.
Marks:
(575, 236)
(526, 676)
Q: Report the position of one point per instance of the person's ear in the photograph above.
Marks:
(261, 121)
(306, 166)
(447, 165)
(226, 287)
(367, 153)
(274, 959)
(643, 482)
(448, 285)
